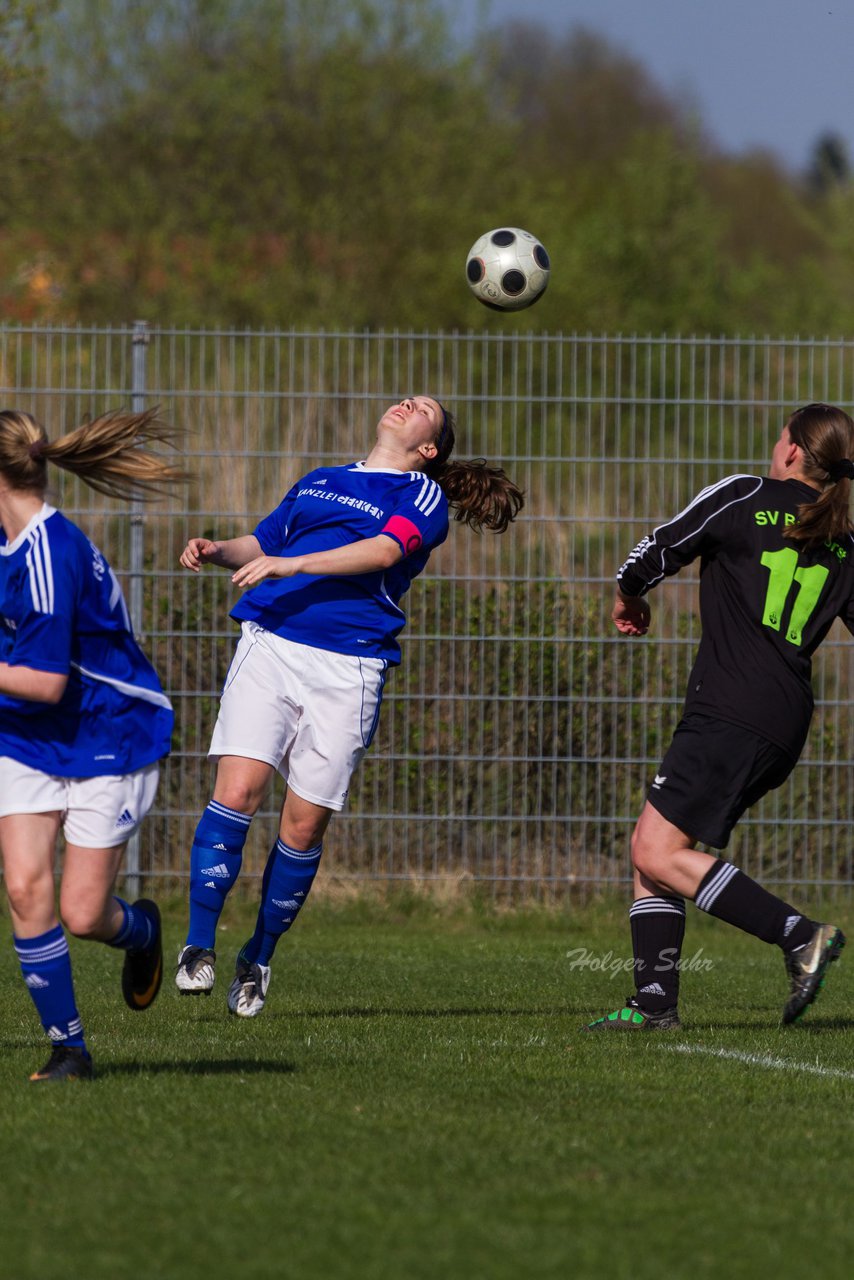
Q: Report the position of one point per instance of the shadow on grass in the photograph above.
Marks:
(826, 1024)
(793, 1030)
(197, 1067)
(379, 1012)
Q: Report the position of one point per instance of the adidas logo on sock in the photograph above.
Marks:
(299, 893)
(126, 820)
(210, 884)
(791, 921)
(289, 904)
(55, 1034)
(652, 989)
(35, 982)
(221, 846)
(220, 871)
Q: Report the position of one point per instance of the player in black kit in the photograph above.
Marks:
(776, 569)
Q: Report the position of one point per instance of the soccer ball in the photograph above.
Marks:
(507, 269)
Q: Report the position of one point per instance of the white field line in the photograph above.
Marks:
(763, 1060)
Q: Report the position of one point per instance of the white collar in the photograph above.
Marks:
(39, 518)
(387, 471)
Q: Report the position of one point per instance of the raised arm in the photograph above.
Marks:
(230, 554)
(365, 556)
(694, 532)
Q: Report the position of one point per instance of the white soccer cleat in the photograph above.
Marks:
(248, 991)
(196, 974)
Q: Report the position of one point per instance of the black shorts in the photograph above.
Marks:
(711, 773)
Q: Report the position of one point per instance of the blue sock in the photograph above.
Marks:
(288, 878)
(46, 966)
(136, 931)
(214, 866)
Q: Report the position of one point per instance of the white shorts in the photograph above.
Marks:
(95, 813)
(309, 713)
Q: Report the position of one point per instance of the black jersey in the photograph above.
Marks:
(766, 602)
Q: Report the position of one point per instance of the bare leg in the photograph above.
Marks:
(87, 905)
(664, 858)
(28, 845)
(241, 784)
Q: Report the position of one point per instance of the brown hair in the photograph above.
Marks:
(104, 452)
(483, 496)
(825, 435)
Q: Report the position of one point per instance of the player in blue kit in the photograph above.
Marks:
(325, 574)
(83, 721)
(777, 570)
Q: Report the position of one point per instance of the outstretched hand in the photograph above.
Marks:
(631, 615)
(197, 552)
(264, 567)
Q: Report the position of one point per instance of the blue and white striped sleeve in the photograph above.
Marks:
(46, 607)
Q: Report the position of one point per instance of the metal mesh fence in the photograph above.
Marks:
(519, 733)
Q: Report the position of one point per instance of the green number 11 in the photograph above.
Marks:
(784, 569)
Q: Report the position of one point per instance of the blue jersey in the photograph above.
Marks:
(62, 611)
(333, 507)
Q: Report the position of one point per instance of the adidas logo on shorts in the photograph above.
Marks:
(126, 819)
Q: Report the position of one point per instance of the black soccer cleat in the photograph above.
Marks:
(66, 1062)
(143, 970)
(632, 1018)
(807, 968)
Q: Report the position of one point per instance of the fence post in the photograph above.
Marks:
(136, 568)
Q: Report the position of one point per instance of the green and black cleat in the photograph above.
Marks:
(807, 968)
(65, 1063)
(143, 970)
(632, 1018)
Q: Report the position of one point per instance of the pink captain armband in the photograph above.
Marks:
(405, 532)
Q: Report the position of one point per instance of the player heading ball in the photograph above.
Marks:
(324, 577)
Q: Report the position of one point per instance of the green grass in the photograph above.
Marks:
(417, 1101)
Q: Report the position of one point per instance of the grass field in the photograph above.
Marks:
(417, 1101)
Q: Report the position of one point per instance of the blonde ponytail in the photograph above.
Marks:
(105, 452)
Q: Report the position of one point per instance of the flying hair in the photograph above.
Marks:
(108, 453)
(481, 496)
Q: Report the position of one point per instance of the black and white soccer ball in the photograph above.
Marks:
(507, 269)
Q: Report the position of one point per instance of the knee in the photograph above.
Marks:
(304, 829)
(301, 835)
(83, 920)
(646, 859)
(241, 794)
(80, 928)
(30, 898)
(241, 799)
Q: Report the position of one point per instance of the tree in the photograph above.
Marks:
(829, 166)
(261, 161)
(329, 163)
